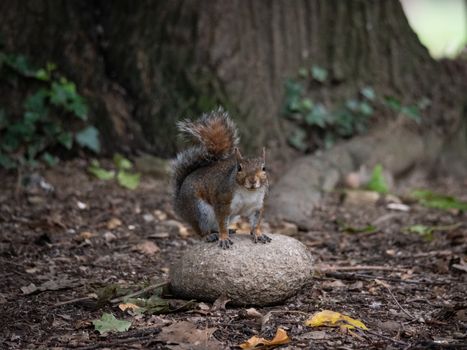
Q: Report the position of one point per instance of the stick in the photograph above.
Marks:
(362, 267)
(142, 291)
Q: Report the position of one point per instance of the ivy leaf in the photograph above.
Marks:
(99, 172)
(318, 73)
(128, 180)
(377, 182)
(49, 159)
(108, 323)
(65, 139)
(438, 201)
(368, 93)
(89, 138)
(121, 162)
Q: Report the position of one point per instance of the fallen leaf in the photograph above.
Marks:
(160, 215)
(220, 303)
(114, 223)
(108, 323)
(182, 229)
(398, 206)
(358, 197)
(281, 337)
(86, 235)
(49, 285)
(147, 247)
(189, 337)
(252, 312)
(128, 306)
(333, 319)
(109, 237)
(29, 289)
(438, 201)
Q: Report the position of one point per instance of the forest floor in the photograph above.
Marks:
(88, 237)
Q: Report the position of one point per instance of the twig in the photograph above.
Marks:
(115, 342)
(142, 291)
(72, 301)
(356, 276)
(361, 267)
(381, 336)
(400, 306)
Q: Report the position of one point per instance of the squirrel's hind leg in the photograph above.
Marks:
(206, 220)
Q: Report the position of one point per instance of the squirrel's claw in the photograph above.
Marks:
(262, 238)
(225, 243)
(214, 236)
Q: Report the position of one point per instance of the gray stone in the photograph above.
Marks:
(247, 273)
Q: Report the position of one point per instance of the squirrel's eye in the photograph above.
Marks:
(264, 168)
(239, 167)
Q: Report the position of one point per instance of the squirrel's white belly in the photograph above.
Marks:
(246, 202)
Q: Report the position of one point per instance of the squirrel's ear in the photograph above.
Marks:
(263, 154)
(238, 155)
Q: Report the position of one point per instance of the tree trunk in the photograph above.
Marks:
(145, 64)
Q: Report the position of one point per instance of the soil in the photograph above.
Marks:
(59, 248)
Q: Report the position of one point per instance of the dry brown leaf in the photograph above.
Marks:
(114, 223)
(128, 306)
(252, 312)
(220, 303)
(85, 235)
(160, 215)
(147, 247)
(281, 337)
(188, 336)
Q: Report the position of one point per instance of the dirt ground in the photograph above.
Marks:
(59, 249)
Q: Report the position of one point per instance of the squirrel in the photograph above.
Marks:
(214, 183)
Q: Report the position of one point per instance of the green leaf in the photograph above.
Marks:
(438, 201)
(298, 139)
(368, 93)
(306, 105)
(49, 159)
(99, 172)
(366, 109)
(425, 231)
(303, 72)
(121, 162)
(153, 305)
(42, 74)
(393, 103)
(412, 112)
(317, 116)
(65, 139)
(377, 182)
(108, 323)
(37, 102)
(128, 180)
(89, 138)
(359, 229)
(318, 73)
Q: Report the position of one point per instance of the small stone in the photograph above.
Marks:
(109, 237)
(247, 273)
(148, 217)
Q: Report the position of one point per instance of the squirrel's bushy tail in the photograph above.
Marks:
(216, 137)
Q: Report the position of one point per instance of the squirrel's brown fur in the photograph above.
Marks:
(214, 183)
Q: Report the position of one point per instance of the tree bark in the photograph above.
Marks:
(145, 64)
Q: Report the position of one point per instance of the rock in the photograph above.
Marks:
(248, 273)
(154, 166)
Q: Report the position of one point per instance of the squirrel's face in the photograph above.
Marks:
(251, 173)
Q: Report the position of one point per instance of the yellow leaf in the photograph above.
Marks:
(130, 306)
(281, 337)
(333, 319)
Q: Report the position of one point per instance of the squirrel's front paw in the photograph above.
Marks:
(262, 238)
(225, 243)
